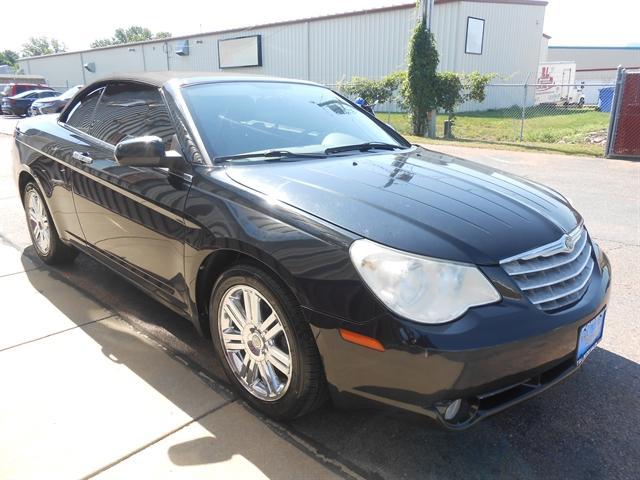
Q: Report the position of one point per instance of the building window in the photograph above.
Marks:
(240, 52)
(475, 36)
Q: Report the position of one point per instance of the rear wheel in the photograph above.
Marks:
(267, 350)
(44, 235)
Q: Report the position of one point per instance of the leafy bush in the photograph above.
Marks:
(450, 92)
(454, 89)
(373, 90)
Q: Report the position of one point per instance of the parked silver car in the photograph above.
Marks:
(53, 104)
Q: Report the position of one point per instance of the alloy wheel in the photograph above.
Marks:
(255, 343)
(39, 222)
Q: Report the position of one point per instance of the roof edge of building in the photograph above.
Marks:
(597, 47)
(400, 6)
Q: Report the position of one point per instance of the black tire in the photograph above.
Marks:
(57, 252)
(307, 389)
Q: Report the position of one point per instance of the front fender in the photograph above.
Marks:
(309, 256)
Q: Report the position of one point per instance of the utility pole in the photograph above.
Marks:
(425, 9)
(425, 12)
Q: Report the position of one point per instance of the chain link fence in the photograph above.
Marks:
(624, 132)
(564, 117)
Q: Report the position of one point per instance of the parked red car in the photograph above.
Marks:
(11, 89)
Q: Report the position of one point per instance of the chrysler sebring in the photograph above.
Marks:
(323, 254)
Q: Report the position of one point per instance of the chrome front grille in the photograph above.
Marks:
(556, 275)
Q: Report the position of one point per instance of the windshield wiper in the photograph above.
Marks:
(363, 147)
(270, 154)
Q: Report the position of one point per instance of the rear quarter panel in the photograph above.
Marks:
(40, 153)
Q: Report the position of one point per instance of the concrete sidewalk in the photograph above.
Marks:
(84, 393)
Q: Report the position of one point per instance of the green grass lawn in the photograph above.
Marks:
(548, 128)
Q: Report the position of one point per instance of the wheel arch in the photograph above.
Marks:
(220, 260)
(25, 177)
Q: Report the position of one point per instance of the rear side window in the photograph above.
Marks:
(129, 110)
(81, 115)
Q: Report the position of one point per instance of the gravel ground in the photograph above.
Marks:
(588, 426)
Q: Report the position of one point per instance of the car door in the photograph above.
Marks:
(132, 216)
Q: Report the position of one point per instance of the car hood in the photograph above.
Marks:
(419, 201)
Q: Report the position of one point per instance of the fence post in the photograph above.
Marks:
(613, 119)
(524, 107)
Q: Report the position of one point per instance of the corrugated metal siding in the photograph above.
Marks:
(544, 49)
(114, 60)
(59, 71)
(370, 45)
(284, 50)
(155, 57)
(597, 60)
(596, 57)
(332, 50)
(511, 40)
(446, 27)
(511, 49)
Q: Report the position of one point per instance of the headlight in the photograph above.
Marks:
(422, 289)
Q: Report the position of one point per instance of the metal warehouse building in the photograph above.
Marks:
(596, 64)
(490, 36)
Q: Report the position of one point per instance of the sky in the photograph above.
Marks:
(569, 22)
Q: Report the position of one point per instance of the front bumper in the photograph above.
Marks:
(492, 358)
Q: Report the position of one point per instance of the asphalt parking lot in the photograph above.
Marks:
(588, 426)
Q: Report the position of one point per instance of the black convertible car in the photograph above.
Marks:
(323, 253)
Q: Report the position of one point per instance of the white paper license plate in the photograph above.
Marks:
(589, 335)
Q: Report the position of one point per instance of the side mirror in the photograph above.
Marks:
(142, 152)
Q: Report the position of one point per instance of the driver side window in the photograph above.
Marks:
(81, 116)
(129, 110)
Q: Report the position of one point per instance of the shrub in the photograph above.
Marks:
(374, 90)
(420, 91)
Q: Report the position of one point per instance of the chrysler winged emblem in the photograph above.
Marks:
(569, 243)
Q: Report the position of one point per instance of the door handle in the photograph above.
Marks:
(82, 157)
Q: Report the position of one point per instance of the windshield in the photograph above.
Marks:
(70, 93)
(242, 117)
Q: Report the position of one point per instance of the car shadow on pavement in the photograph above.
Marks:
(125, 339)
(587, 426)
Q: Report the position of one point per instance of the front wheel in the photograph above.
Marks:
(44, 235)
(267, 350)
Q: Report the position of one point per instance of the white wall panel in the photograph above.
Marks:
(368, 45)
(335, 49)
(155, 57)
(59, 71)
(596, 58)
(110, 61)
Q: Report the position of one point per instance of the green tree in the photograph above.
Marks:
(9, 57)
(131, 34)
(420, 91)
(450, 92)
(42, 46)
(454, 89)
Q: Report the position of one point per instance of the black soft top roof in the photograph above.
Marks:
(160, 78)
